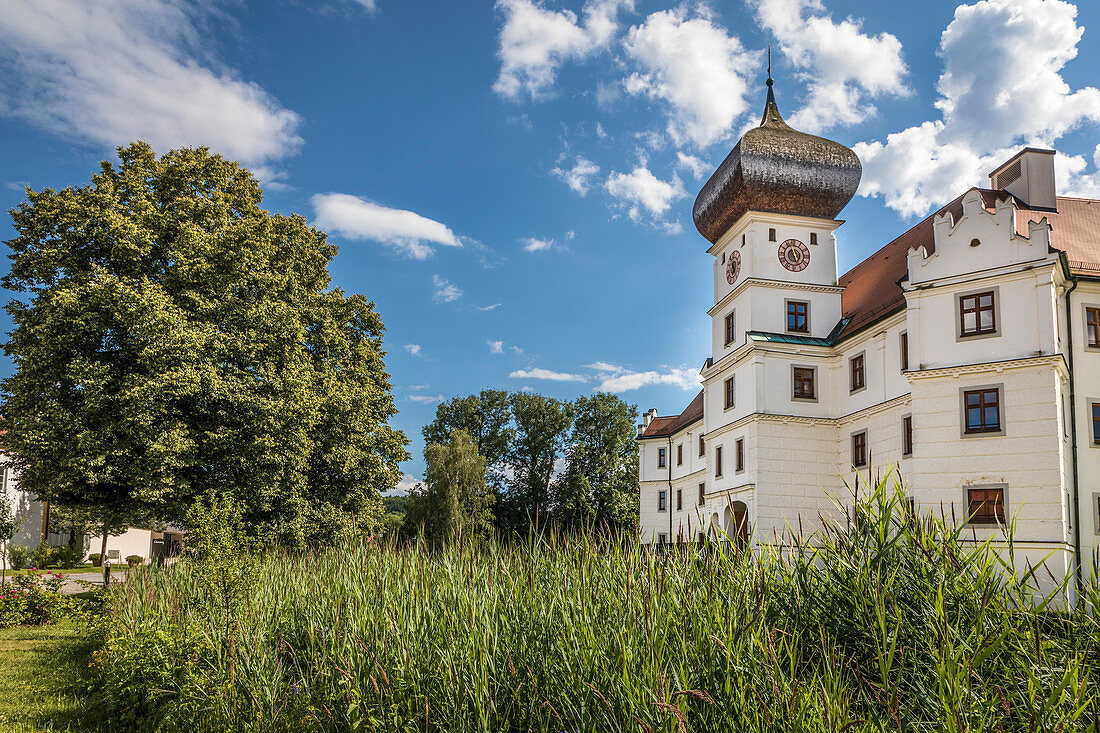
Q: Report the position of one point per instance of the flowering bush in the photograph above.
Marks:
(33, 599)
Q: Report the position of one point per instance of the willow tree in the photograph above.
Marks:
(175, 340)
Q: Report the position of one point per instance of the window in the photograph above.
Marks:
(771, 235)
(702, 491)
(907, 435)
(739, 454)
(982, 410)
(702, 446)
(742, 240)
(1092, 327)
(680, 454)
(730, 393)
(718, 461)
(857, 373)
(798, 316)
(731, 333)
(803, 383)
(661, 501)
(679, 499)
(813, 237)
(986, 506)
(859, 449)
(660, 458)
(905, 351)
(1095, 409)
(976, 314)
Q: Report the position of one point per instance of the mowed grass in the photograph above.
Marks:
(42, 678)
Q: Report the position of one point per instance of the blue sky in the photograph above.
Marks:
(511, 182)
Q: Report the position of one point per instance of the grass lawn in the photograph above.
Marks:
(85, 568)
(41, 670)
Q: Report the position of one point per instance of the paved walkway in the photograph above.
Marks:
(72, 586)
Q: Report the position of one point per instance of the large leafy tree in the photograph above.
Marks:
(487, 418)
(542, 428)
(600, 483)
(173, 339)
(454, 501)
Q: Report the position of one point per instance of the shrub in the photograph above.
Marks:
(96, 559)
(33, 599)
(65, 556)
(20, 556)
(135, 560)
(40, 556)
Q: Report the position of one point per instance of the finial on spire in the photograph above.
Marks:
(770, 80)
(771, 109)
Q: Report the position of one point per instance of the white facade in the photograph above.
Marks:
(1035, 363)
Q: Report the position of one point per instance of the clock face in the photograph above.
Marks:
(733, 267)
(794, 255)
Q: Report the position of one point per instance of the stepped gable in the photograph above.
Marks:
(775, 168)
(871, 289)
(661, 427)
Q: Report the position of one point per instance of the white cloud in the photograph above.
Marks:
(370, 5)
(535, 41)
(404, 485)
(357, 218)
(531, 244)
(699, 168)
(492, 307)
(413, 349)
(617, 379)
(1001, 88)
(426, 399)
(496, 347)
(114, 71)
(445, 291)
(537, 373)
(843, 66)
(640, 189)
(695, 68)
(579, 177)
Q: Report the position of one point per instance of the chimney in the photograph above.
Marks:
(1029, 176)
(647, 417)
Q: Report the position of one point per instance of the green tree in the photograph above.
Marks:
(9, 525)
(542, 427)
(173, 340)
(600, 482)
(454, 501)
(487, 418)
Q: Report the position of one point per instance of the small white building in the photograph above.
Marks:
(965, 352)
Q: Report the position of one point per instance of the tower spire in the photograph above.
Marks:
(771, 109)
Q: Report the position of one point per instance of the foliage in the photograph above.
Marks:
(487, 418)
(61, 556)
(174, 339)
(9, 523)
(454, 501)
(135, 560)
(20, 556)
(542, 428)
(33, 600)
(885, 624)
(95, 559)
(600, 482)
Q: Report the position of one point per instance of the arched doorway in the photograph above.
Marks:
(738, 523)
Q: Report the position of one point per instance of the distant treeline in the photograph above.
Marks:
(506, 462)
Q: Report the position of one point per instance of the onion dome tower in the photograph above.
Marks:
(775, 168)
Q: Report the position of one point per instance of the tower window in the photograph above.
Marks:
(813, 237)
(740, 454)
(771, 235)
(680, 454)
(679, 499)
(858, 376)
(730, 393)
(702, 446)
(905, 351)
(803, 388)
(660, 458)
(907, 435)
(731, 332)
(718, 461)
(661, 498)
(742, 240)
(859, 449)
(702, 491)
(798, 316)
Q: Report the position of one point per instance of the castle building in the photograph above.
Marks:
(965, 353)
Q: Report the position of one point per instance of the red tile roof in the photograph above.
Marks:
(661, 427)
(871, 289)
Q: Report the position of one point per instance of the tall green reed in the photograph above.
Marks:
(889, 622)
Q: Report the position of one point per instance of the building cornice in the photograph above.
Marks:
(1055, 360)
(809, 419)
(740, 488)
(777, 284)
(769, 217)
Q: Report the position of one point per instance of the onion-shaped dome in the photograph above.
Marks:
(778, 169)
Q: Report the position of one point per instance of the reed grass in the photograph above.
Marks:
(885, 623)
